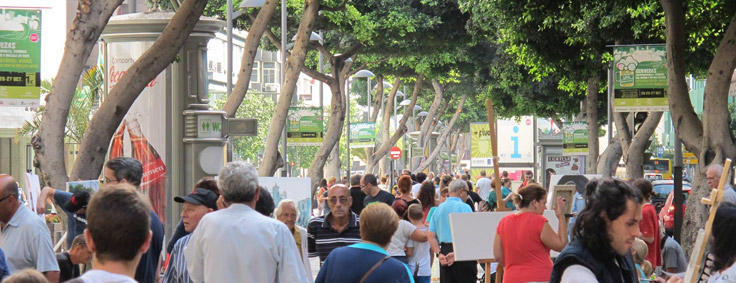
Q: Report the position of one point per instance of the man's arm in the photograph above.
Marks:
(51, 276)
(46, 193)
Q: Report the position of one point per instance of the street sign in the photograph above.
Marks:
(395, 152)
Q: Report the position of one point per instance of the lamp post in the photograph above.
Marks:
(359, 74)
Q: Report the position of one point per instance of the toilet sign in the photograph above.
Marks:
(395, 152)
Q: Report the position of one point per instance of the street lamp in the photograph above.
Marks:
(359, 74)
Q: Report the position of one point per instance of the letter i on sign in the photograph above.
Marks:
(515, 139)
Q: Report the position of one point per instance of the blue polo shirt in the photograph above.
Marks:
(440, 222)
(349, 264)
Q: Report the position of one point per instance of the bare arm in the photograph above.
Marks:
(409, 251)
(52, 276)
(498, 249)
(46, 193)
(649, 240)
(434, 246)
(418, 236)
(556, 241)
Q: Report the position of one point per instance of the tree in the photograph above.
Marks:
(425, 164)
(710, 139)
(255, 105)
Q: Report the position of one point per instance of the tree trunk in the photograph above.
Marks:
(401, 130)
(156, 59)
(386, 123)
(637, 146)
(425, 164)
(332, 169)
(425, 131)
(252, 41)
(293, 66)
(591, 111)
(48, 143)
(332, 137)
(710, 139)
(461, 153)
(608, 161)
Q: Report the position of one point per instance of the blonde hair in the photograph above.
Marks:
(378, 223)
(640, 254)
(26, 276)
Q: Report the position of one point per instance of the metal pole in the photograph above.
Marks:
(321, 84)
(347, 149)
(610, 103)
(283, 79)
(396, 128)
(368, 90)
(678, 197)
(229, 67)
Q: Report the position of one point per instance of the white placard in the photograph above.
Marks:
(473, 233)
(33, 190)
(296, 189)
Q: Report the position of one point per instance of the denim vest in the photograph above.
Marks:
(605, 272)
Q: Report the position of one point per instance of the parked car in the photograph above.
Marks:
(667, 214)
(662, 189)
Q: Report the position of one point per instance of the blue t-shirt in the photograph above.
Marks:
(75, 223)
(440, 222)
(4, 270)
(146, 271)
(349, 264)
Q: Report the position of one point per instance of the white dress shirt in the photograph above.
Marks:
(238, 244)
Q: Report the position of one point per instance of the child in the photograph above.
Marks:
(418, 252)
(639, 252)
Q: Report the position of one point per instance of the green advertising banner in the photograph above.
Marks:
(640, 78)
(305, 126)
(20, 57)
(481, 150)
(362, 135)
(575, 138)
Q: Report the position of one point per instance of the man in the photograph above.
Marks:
(238, 244)
(369, 185)
(440, 236)
(603, 235)
(69, 261)
(483, 184)
(713, 175)
(357, 194)
(75, 207)
(126, 170)
(338, 228)
(25, 239)
(673, 257)
(117, 209)
(196, 205)
(415, 188)
(528, 176)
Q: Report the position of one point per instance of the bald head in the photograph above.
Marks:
(8, 184)
(713, 175)
(8, 197)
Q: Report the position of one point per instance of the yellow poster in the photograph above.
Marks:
(481, 150)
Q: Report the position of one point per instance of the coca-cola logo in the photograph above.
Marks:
(115, 76)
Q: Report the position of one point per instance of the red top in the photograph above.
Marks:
(525, 257)
(649, 227)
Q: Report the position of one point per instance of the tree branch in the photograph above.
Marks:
(335, 9)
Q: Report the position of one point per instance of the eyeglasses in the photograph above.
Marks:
(10, 195)
(341, 199)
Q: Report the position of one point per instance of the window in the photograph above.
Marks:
(219, 67)
(270, 73)
(254, 75)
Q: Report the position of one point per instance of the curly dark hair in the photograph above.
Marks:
(609, 197)
(724, 226)
(426, 194)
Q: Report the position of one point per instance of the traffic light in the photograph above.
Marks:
(639, 118)
(292, 163)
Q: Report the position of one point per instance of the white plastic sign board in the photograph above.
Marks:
(473, 233)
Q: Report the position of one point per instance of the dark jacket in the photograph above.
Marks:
(358, 197)
(605, 272)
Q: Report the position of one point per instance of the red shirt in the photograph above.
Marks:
(525, 257)
(649, 227)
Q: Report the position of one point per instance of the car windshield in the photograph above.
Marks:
(661, 191)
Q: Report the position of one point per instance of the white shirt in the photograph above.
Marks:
(305, 252)
(484, 187)
(415, 189)
(238, 244)
(398, 241)
(728, 275)
(420, 258)
(577, 273)
(26, 242)
(101, 276)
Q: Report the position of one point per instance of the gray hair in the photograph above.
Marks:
(716, 168)
(280, 207)
(238, 182)
(457, 185)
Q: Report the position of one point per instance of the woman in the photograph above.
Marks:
(649, 224)
(287, 213)
(404, 185)
(321, 199)
(427, 198)
(523, 239)
(506, 194)
(405, 232)
(722, 247)
(368, 259)
(383, 185)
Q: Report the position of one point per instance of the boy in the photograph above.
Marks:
(418, 252)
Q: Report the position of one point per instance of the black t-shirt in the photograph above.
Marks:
(382, 196)
(67, 270)
(146, 271)
(473, 198)
(358, 197)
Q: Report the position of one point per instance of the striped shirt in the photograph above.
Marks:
(177, 270)
(323, 238)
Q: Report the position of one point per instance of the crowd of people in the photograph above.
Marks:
(363, 231)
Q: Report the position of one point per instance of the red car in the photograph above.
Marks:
(667, 213)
